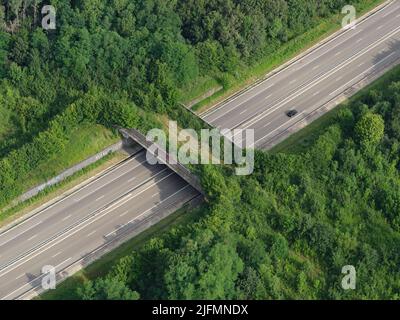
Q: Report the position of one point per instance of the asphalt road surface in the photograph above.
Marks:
(313, 80)
(84, 221)
(69, 230)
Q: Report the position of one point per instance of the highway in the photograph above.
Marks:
(313, 80)
(67, 231)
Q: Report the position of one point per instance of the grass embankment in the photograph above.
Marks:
(296, 143)
(246, 75)
(67, 289)
(84, 142)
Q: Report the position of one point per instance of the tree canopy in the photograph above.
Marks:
(294, 223)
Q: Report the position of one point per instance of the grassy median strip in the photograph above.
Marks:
(247, 75)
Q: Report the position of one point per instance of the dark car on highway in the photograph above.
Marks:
(291, 113)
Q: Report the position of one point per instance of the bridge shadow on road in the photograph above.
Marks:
(386, 57)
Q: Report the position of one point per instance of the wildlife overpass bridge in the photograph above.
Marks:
(171, 162)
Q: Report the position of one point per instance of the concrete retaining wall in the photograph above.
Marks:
(70, 171)
(204, 96)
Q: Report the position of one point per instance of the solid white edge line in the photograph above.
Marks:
(5, 297)
(119, 166)
(74, 230)
(341, 33)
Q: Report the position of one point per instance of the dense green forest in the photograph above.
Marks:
(286, 231)
(118, 62)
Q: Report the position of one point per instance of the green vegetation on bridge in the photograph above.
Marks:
(287, 231)
(120, 62)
